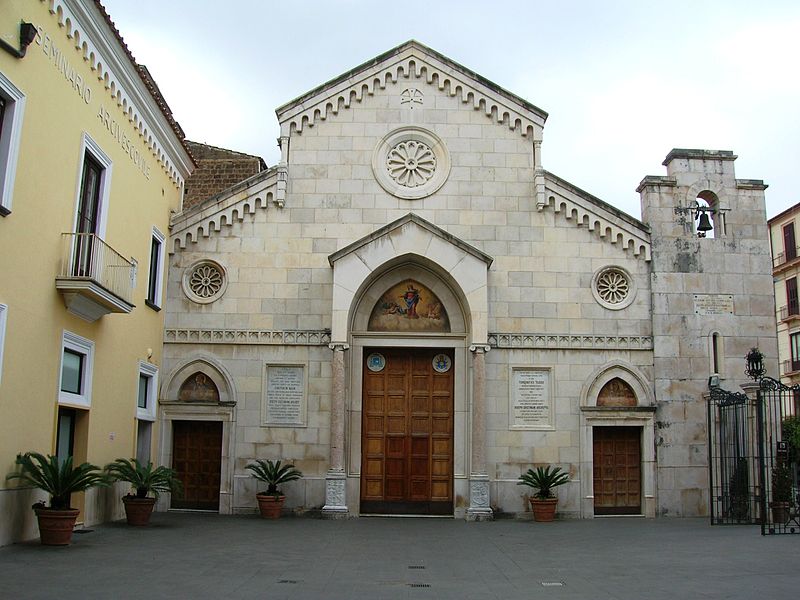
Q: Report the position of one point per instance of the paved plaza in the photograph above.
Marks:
(197, 556)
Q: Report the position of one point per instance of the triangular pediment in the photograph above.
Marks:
(415, 62)
(386, 235)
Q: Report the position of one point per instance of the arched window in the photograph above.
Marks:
(616, 393)
(708, 213)
(716, 354)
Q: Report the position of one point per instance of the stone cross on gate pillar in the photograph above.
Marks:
(479, 506)
(336, 477)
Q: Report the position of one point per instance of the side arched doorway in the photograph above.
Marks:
(617, 443)
(197, 412)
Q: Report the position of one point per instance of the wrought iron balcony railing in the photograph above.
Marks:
(785, 257)
(790, 366)
(94, 278)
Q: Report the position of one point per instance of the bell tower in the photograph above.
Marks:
(712, 300)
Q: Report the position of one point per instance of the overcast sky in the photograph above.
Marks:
(623, 81)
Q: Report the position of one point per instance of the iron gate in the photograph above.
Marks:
(753, 462)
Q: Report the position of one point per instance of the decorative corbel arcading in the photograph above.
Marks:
(414, 68)
(90, 52)
(586, 211)
(223, 210)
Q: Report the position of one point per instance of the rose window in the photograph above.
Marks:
(204, 282)
(411, 163)
(613, 287)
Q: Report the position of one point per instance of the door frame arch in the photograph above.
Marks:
(642, 415)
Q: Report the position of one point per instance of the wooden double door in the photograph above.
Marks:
(197, 458)
(407, 432)
(617, 470)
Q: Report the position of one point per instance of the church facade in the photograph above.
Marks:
(413, 311)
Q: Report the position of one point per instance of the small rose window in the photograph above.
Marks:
(613, 288)
(204, 282)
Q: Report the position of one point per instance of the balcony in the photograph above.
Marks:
(94, 279)
(790, 367)
(789, 313)
(785, 259)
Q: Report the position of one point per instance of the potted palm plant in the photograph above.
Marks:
(144, 480)
(781, 493)
(543, 480)
(270, 501)
(60, 480)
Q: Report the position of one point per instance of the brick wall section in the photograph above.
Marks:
(217, 170)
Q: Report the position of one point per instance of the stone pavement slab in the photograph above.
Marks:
(199, 556)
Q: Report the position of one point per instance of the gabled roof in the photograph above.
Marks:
(411, 60)
(417, 220)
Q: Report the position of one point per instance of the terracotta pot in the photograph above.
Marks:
(270, 506)
(780, 512)
(55, 526)
(138, 510)
(544, 511)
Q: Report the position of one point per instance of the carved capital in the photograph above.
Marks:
(479, 348)
(339, 346)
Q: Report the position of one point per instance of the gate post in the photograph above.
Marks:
(762, 476)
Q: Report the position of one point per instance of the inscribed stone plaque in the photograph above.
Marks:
(285, 402)
(531, 399)
(713, 304)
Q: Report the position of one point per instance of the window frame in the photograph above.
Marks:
(90, 147)
(794, 351)
(9, 141)
(3, 319)
(792, 298)
(80, 345)
(150, 371)
(155, 277)
(789, 248)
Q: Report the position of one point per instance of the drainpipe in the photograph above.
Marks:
(27, 33)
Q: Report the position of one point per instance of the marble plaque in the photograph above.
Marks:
(284, 395)
(531, 398)
(713, 304)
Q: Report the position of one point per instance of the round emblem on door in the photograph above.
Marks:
(376, 362)
(442, 363)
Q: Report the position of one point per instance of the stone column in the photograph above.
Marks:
(479, 507)
(336, 478)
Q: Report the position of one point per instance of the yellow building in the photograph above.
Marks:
(91, 164)
(784, 237)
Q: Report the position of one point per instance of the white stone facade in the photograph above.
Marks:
(413, 167)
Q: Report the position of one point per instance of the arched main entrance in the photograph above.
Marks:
(457, 274)
(408, 341)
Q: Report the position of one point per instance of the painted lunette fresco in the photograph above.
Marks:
(409, 306)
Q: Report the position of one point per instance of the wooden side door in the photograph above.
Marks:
(407, 434)
(617, 470)
(197, 458)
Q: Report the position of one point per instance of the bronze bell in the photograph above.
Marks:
(704, 223)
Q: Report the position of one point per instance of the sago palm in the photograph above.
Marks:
(143, 477)
(58, 480)
(273, 474)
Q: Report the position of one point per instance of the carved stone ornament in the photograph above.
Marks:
(204, 282)
(411, 163)
(613, 288)
(479, 494)
(411, 96)
(334, 492)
